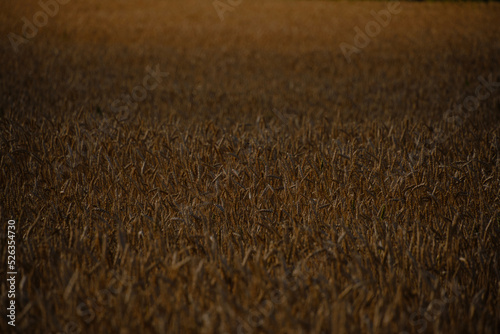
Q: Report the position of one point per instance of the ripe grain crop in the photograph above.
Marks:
(265, 184)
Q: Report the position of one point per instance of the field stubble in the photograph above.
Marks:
(265, 184)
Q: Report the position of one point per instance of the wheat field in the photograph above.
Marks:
(170, 170)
